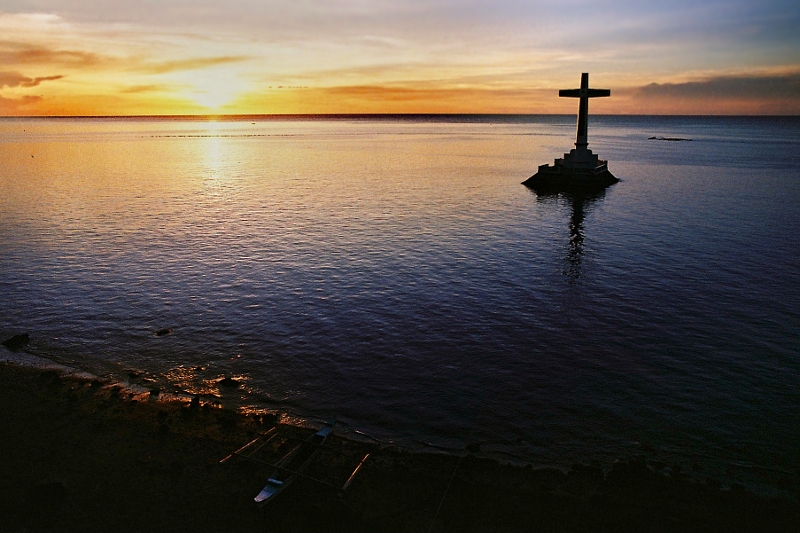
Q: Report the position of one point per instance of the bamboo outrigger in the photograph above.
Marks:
(292, 464)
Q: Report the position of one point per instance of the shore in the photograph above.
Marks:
(77, 454)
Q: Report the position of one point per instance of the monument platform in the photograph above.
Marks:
(562, 175)
(580, 169)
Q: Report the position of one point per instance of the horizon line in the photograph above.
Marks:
(385, 115)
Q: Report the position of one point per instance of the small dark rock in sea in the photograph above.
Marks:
(195, 403)
(17, 342)
(163, 331)
(667, 139)
(155, 392)
(229, 383)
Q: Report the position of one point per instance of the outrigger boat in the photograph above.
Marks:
(296, 461)
(292, 464)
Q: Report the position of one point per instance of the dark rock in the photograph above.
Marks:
(229, 383)
(51, 494)
(51, 378)
(269, 419)
(473, 447)
(154, 392)
(176, 468)
(163, 331)
(17, 342)
(227, 419)
(195, 403)
(585, 473)
(738, 488)
(629, 474)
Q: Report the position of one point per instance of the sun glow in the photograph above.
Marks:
(212, 88)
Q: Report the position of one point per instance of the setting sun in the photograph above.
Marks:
(212, 88)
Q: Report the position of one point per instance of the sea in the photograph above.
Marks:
(393, 272)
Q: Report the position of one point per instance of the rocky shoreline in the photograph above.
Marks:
(77, 454)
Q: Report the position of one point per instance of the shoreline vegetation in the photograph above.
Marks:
(79, 454)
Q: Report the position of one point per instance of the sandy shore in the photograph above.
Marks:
(80, 455)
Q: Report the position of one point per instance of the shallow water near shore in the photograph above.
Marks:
(393, 272)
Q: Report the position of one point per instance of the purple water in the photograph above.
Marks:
(395, 273)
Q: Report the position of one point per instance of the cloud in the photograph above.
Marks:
(188, 64)
(15, 53)
(14, 106)
(151, 88)
(766, 92)
(15, 79)
(391, 99)
(738, 87)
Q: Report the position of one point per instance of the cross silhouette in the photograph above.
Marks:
(584, 93)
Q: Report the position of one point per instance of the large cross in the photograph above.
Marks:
(584, 93)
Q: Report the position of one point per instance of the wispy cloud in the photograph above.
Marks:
(18, 53)
(186, 64)
(151, 88)
(15, 79)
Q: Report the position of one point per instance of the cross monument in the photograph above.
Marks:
(580, 169)
(584, 93)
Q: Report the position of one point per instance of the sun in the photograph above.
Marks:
(212, 88)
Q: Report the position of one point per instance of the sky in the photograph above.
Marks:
(153, 57)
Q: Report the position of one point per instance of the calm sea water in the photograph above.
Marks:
(396, 274)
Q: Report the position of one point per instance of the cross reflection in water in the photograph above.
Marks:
(579, 202)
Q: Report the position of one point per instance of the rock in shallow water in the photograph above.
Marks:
(17, 342)
(229, 383)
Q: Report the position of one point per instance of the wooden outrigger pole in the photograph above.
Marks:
(292, 463)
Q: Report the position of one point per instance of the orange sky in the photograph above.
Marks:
(73, 57)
